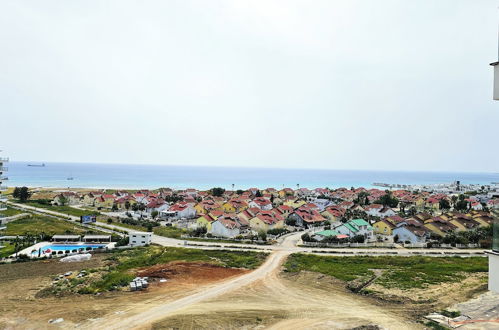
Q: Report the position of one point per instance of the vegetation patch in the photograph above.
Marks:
(64, 209)
(125, 263)
(10, 212)
(42, 225)
(398, 272)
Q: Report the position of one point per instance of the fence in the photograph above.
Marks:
(347, 245)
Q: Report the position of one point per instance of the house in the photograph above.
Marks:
(67, 198)
(477, 206)
(266, 220)
(383, 227)
(122, 202)
(205, 220)
(285, 192)
(157, 205)
(89, 199)
(248, 213)
(493, 203)
(139, 238)
(386, 212)
(206, 206)
(294, 203)
(373, 209)
(178, 210)
(284, 210)
(261, 203)
(306, 217)
(319, 236)
(410, 231)
(356, 227)
(225, 227)
(465, 223)
(104, 201)
(235, 206)
(439, 226)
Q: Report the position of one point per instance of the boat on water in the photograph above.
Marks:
(37, 165)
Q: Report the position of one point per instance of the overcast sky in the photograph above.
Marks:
(389, 85)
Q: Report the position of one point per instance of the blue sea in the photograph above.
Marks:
(86, 175)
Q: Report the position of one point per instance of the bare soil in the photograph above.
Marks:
(22, 306)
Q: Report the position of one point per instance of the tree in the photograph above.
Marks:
(154, 214)
(239, 191)
(217, 191)
(127, 205)
(109, 220)
(62, 200)
(461, 205)
(444, 204)
(21, 193)
(258, 194)
(387, 200)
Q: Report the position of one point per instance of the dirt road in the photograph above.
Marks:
(157, 313)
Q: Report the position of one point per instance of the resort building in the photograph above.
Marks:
(140, 238)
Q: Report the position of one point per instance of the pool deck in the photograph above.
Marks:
(27, 251)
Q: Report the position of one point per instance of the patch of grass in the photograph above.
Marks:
(172, 232)
(127, 261)
(7, 250)
(38, 224)
(11, 211)
(61, 209)
(399, 272)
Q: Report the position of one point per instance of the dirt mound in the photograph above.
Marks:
(192, 271)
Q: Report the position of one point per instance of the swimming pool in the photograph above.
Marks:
(61, 249)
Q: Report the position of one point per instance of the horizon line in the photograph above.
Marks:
(257, 167)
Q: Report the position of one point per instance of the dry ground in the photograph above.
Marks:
(21, 306)
(279, 300)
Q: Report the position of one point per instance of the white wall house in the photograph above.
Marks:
(222, 229)
(139, 238)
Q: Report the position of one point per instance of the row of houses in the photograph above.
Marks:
(419, 228)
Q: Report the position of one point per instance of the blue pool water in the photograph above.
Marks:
(69, 247)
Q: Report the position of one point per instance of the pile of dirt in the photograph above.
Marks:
(192, 271)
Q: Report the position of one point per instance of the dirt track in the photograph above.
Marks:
(292, 304)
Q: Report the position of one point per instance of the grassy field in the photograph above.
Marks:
(172, 232)
(7, 250)
(38, 224)
(398, 272)
(10, 212)
(61, 209)
(128, 260)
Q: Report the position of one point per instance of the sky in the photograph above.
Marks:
(350, 84)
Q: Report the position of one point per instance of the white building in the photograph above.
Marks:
(494, 254)
(139, 238)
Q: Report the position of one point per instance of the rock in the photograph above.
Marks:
(54, 321)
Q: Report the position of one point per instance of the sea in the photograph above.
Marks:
(128, 176)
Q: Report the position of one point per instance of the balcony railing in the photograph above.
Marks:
(3, 159)
(3, 178)
(3, 169)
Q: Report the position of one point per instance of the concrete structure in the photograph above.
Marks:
(97, 238)
(139, 238)
(3, 178)
(496, 80)
(494, 257)
(66, 238)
